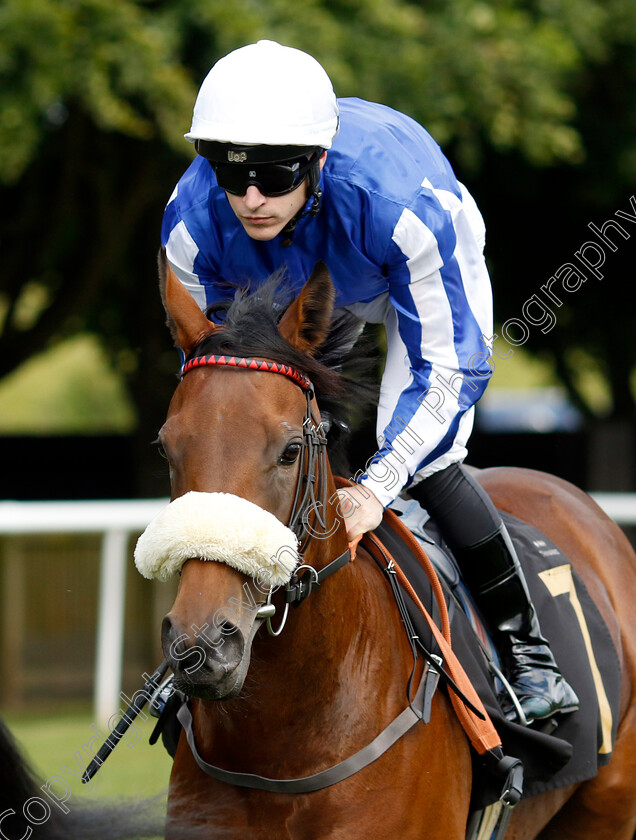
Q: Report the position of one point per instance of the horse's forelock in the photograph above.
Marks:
(250, 328)
(342, 369)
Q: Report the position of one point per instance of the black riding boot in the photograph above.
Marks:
(474, 530)
(496, 580)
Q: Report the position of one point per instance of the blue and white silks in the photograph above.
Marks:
(403, 241)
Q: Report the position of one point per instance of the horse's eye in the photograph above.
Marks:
(160, 448)
(291, 453)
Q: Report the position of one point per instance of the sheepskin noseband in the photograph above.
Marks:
(221, 527)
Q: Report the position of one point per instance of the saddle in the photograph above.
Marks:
(579, 743)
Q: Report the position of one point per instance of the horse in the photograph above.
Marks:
(303, 698)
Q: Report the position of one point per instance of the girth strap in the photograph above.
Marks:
(332, 775)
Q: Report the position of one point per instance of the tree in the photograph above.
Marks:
(95, 97)
(554, 217)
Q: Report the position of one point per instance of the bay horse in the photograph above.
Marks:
(291, 706)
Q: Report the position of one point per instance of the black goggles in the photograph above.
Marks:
(271, 179)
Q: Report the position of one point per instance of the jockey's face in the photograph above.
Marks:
(264, 217)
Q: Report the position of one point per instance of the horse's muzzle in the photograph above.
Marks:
(205, 660)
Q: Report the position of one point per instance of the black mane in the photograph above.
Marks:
(339, 370)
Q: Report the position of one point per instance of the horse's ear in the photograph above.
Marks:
(188, 325)
(306, 321)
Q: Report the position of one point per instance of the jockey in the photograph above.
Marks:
(287, 175)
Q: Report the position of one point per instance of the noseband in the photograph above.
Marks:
(311, 488)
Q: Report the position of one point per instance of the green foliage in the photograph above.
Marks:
(494, 72)
(113, 60)
(69, 390)
(534, 101)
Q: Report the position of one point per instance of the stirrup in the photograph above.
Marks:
(511, 702)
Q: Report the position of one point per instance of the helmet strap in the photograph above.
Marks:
(315, 192)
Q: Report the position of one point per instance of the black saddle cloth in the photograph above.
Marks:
(581, 644)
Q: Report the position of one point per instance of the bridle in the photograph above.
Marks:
(307, 518)
(310, 497)
(311, 488)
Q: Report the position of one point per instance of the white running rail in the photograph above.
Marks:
(116, 521)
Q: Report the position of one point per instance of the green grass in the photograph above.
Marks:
(70, 389)
(50, 743)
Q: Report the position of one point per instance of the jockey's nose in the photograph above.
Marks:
(254, 198)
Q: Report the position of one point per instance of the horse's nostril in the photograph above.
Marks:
(172, 640)
(176, 642)
(205, 648)
(227, 628)
(166, 627)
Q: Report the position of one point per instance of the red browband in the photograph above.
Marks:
(250, 364)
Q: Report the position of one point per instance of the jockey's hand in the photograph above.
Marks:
(360, 510)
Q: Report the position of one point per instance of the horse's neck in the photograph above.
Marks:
(339, 632)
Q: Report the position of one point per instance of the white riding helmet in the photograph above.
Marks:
(266, 94)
